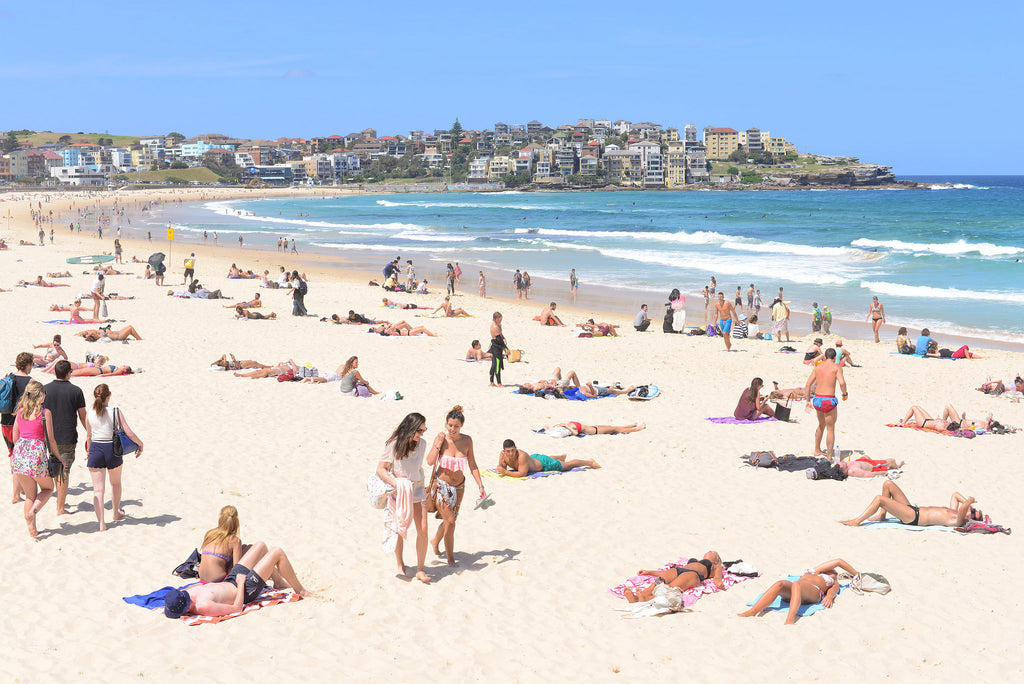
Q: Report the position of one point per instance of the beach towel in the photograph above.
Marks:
(690, 596)
(557, 432)
(805, 609)
(155, 601)
(491, 472)
(948, 433)
(64, 321)
(731, 420)
(895, 524)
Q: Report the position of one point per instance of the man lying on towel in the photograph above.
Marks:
(514, 462)
(893, 501)
(241, 586)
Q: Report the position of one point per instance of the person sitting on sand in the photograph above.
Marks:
(351, 379)
(692, 574)
(894, 502)
(814, 354)
(59, 274)
(752, 404)
(391, 304)
(548, 317)
(76, 314)
(599, 329)
(903, 343)
(235, 364)
(253, 315)
(253, 303)
(949, 421)
(819, 584)
(514, 462)
(591, 391)
(124, 333)
(557, 382)
(868, 468)
(101, 370)
(244, 583)
(53, 352)
(221, 548)
(476, 352)
(399, 329)
(449, 312)
(572, 429)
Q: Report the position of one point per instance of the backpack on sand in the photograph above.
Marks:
(7, 394)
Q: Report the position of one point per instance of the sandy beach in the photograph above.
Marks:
(529, 600)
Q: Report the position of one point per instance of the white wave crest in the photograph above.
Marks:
(945, 248)
(940, 293)
(469, 205)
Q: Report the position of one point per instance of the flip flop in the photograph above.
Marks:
(484, 502)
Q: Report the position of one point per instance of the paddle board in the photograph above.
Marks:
(91, 259)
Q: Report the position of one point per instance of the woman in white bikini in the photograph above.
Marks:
(453, 453)
(816, 585)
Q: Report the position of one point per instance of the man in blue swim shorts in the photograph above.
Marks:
(726, 315)
(514, 462)
(824, 378)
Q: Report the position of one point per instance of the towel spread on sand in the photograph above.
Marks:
(64, 321)
(491, 472)
(805, 609)
(895, 524)
(155, 601)
(690, 596)
(948, 433)
(731, 420)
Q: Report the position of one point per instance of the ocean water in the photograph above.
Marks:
(945, 257)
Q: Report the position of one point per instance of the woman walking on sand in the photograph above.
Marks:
(401, 466)
(453, 453)
(33, 431)
(99, 443)
(876, 314)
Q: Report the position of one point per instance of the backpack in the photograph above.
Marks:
(302, 289)
(190, 263)
(7, 389)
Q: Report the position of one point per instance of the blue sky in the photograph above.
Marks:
(926, 88)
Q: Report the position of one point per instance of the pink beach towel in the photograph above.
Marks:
(398, 513)
(731, 420)
(690, 596)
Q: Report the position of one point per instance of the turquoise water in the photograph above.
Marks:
(942, 258)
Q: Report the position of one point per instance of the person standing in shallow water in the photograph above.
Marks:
(574, 284)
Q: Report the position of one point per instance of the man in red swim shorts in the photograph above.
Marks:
(824, 378)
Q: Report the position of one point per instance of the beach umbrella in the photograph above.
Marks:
(156, 258)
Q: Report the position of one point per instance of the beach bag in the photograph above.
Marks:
(122, 444)
(287, 376)
(378, 491)
(103, 309)
(360, 390)
(515, 355)
(431, 502)
(188, 569)
(783, 410)
(762, 459)
(864, 582)
(966, 433)
(7, 394)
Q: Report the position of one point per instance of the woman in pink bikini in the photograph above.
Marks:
(816, 585)
(453, 453)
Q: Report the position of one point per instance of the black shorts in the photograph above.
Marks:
(254, 584)
(101, 455)
(189, 272)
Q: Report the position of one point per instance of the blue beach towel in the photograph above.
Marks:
(154, 599)
(895, 524)
(805, 609)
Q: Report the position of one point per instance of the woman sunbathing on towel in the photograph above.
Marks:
(39, 282)
(599, 329)
(235, 364)
(572, 429)
(752, 405)
(400, 329)
(867, 468)
(446, 305)
(893, 501)
(269, 371)
(117, 335)
(99, 361)
(391, 304)
(59, 274)
(684, 577)
(103, 371)
(819, 584)
(253, 315)
(949, 421)
(251, 304)
(76, 316)
(556, 382)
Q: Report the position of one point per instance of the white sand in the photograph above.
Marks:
(529, 602)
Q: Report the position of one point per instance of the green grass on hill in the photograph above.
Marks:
(199, 173)
(41, 137)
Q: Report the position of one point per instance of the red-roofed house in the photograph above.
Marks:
(721, 142)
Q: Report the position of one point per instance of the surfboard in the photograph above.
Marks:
(91, 259)
(644, 393)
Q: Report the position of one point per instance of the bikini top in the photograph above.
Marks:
(829, 579)
(454, 462)
(703, 561)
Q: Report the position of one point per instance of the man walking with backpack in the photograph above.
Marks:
(67, 405)
(190, 269)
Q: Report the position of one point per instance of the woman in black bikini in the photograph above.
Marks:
(950, 421)
(876, 313)
(684, 577)
(221, 548)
